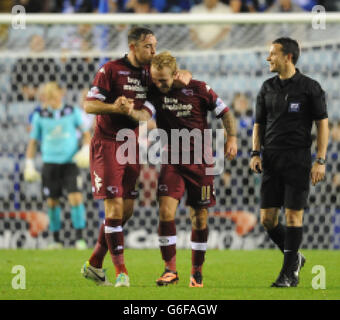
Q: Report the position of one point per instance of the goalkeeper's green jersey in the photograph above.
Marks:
(56, 129)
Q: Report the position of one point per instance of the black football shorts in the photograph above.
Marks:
(286, 178)
(59, 177)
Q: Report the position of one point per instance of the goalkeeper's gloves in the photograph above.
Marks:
(30, 174)
(82, 157)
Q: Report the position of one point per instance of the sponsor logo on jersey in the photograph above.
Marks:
(294, 107)
(123, 73)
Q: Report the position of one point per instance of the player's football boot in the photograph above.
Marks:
(300, 262)
(283, 281)
(196, 280)
(122, 280)
(167, 277)
(97, 275)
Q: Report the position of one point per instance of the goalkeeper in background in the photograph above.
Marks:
(55, 127)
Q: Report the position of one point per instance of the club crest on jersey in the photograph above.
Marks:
(163, 187)
(113, 189)
(95, 93)
(188, 92)
(294, 107)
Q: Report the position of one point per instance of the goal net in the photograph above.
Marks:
(227, 51)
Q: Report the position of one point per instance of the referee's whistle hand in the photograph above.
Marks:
(317, 173)
(256, 164)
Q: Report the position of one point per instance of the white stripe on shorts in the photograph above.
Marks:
(167, 240)
(201, 246)
(113, 229)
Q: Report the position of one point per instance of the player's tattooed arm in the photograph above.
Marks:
(229, 124)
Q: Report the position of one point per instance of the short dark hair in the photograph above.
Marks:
(289, 46)
(135, 34)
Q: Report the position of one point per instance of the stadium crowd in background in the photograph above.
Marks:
(88, 6)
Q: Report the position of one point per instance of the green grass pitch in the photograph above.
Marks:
(228, 275)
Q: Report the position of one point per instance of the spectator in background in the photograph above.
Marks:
(306, 4)
(238, 6)
(284, 6)
(76, 6)
(140, 6)
(178, 6)
(209, 36)
(28, 73)
(258, 5)
(243, 112)
(297, 31)
(330, 5)
(335, 131)
(34, 6)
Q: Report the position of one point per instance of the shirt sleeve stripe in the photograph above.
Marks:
(149, 107)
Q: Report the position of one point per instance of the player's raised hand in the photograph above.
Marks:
(230, 149)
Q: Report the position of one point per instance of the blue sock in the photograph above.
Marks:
(55, 220)
(78, 216)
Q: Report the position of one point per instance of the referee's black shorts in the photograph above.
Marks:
(286, 178)
(59, 177)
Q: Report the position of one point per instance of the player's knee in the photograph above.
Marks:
(75, 198)
(268, 222)
(294, 218)
(52, 203)
(199, 218)
(166, 214)
(114, 208)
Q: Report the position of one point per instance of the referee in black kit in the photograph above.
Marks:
(286, 107)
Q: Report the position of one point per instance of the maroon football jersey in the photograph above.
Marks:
(118, 78)
(185, 108)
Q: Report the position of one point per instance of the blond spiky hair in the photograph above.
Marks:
(164, 59)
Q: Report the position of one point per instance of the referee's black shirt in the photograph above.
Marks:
(287, 109)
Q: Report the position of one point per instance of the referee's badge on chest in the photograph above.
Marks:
(294, 107)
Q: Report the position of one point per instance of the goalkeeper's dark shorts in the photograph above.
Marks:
(59, 177)
(174, 180)
(109, 177)
(286, 178)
